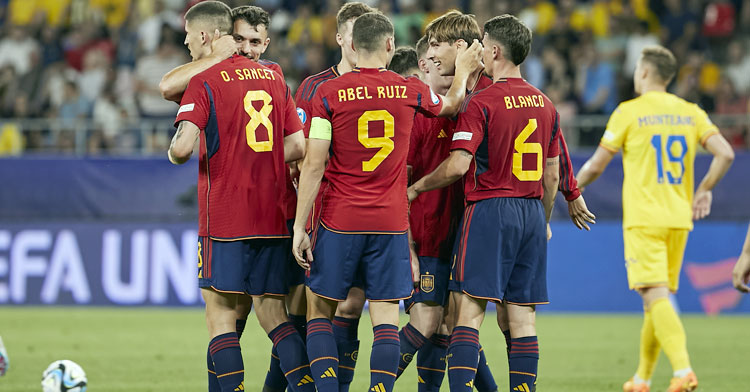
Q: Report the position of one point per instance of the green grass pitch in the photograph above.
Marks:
(152, 349)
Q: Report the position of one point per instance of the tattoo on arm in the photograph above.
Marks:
(466, 154)
(177, 134)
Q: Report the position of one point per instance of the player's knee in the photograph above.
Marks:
(426, 319)
(352, 307)
(651, 294)
(295, 302)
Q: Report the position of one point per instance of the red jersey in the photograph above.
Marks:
(272, 66)
(434, 215)
(510, 127)
(244, 111)
(371, 112)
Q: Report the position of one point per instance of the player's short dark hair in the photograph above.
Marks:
(215, 14)
(370, 30)
(404, 60)
(452, 26)
(422, 46)
(512, 34)
(662, 59)
(252, 15)
(355, 9)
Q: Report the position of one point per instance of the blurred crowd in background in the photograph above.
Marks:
(99, 62)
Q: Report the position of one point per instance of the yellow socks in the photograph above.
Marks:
(670, 333)
(649, 352)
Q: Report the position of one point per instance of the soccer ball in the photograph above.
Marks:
(64, 376)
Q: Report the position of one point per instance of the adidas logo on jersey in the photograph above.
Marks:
(241, 387)
(305, 380)
(328, 373)
(522, 388)
(378, 388)
(442, 134)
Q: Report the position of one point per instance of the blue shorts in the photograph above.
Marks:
(433, 282)
(254, 267)
(380, 260)
(501, 251)
(295, 275)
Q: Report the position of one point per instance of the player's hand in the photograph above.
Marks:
(414, 265)
(469, 58)
(223, 46)
(741, 273)
(580, 214)
(411, 194)
(549, 232)
(702, 204)
(301, 249)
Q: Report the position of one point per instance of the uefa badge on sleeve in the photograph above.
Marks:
(302, 115)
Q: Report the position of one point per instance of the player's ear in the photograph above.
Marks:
(460, 43)
(339, 39)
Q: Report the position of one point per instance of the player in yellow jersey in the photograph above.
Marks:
(658, 134)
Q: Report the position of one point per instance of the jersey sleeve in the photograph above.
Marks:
(568, 185)
(428, 102)
(303, 109)
(553, 149)
(412, 158)
(704, 125)
(292, 122)
(320, 122)
(194, 106)
(617, 129)
(469, 131)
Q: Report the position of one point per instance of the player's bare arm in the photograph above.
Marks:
(183, 142)
(468, 60)
(294, 147)
(174, 83)
(311, 174)
(450, 171)
(741, 273)
(594, 167)
(723, 158)
(550, 180)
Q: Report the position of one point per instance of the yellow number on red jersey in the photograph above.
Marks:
(384, 143)
(521, 148)
(258, 118)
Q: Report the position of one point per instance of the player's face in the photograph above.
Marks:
(194, 40)
(344, 39)
(443, 54)
(252, 41)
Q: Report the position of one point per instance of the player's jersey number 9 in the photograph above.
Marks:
(384, 143)
(522, 147)
(258, 118)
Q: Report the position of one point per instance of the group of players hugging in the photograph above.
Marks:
(311, 206)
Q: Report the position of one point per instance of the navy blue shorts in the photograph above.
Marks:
(254, 267)
(433, 282)
(296, 275)
(380, 260)
(501, 251)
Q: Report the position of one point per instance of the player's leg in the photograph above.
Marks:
(267, 282)
(425, 308)
(504, 324)
(387, 279)
(431, 361)
(345, 330)
(224, 347)
(221, 269)
(523, 358)
(463, 351)
(328, 282)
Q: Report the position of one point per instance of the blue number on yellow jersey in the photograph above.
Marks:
(658, 133)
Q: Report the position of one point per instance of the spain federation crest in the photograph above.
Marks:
(427, 283)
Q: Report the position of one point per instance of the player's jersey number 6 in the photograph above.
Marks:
(384, 143)
(521, 148)
(258, 118)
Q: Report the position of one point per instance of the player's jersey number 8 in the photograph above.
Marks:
(258, 118)
(384, 143)
(521, 148)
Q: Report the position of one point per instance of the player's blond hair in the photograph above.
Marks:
(452, 26)
(352, 10)
(663, 61)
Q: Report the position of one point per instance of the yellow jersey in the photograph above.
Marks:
(658, 133)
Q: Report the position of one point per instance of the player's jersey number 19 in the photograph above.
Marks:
(258, 118)
(675, 148)
(522, 147)
(384, 143)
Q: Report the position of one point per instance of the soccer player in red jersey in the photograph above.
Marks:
(348, 313)
(248, 128)
(364, 214)
(504, 135)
